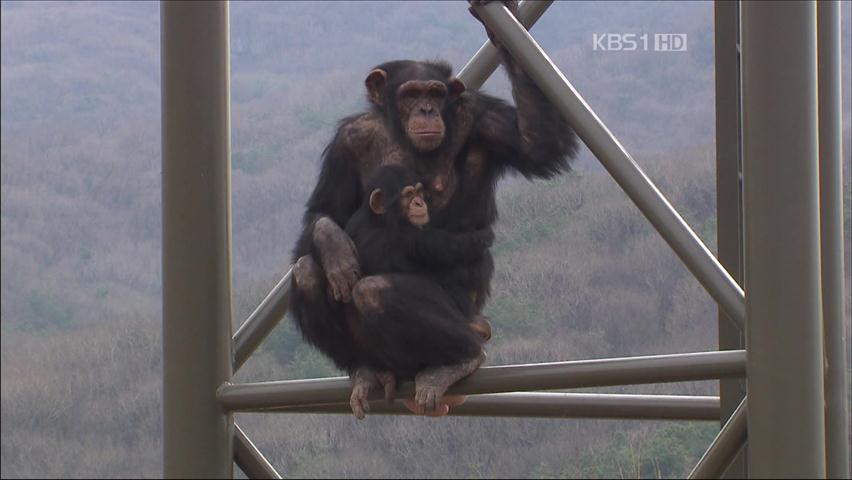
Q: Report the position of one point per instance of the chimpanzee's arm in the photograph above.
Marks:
(441, 248)
(531, 137)
(334, 199)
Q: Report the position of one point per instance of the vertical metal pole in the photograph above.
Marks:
(782, 263)
(196, 239)
(729, 218)
(831, 223)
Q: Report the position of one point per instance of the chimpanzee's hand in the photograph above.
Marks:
(338, 257)
(512, 5)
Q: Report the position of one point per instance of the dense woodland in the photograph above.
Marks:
(580, 274)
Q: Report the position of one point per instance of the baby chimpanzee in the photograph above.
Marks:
(391, 233)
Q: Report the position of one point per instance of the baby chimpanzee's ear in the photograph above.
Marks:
(377, 201)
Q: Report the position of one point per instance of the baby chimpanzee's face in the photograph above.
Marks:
(413, 205)
(398, 205)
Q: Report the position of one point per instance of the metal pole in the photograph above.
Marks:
(683, 367)
(616, 160)
(782, 271)
(554, 405)
(262, 320)
(249, 459)
(729, 233)
(487, 58)
(725, 447)
(831, 224)
(196, 239)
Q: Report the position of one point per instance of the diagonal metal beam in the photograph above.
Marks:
(624, 170)
(725, 446)
(262, 320)
(249, 459)
(486, 60)
(553, 405)
(681, 367)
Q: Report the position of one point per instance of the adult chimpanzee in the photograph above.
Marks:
(461, 142)
(392, 235)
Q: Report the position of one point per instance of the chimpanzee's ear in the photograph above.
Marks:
(375, 82)
(377, 201)
(455, 88)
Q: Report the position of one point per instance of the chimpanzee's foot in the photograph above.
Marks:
(480, 325)
(431, 384)
(363, 381)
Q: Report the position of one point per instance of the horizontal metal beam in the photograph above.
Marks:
(249, 459)
(725, 446)
(486, 60)
(682, 367)
(262, 320)
(553, 405)
(671, 226)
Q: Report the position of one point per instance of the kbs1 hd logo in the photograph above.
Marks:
(634, 42)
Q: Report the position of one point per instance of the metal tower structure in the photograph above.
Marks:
(779, 207)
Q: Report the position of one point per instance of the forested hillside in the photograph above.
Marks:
(580, 274)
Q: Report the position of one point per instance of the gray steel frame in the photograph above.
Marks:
(681, 367)
(199, 427)
(553, 405)
(831, 248)
(729, 200)
(723, 452)
(786, 420)
(624, 170)
(197, 433)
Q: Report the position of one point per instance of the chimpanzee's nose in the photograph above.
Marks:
(426, 109)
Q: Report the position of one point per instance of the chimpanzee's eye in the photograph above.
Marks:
(436, 93)
(409, 93)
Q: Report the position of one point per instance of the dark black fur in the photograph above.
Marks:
(389, 243)
(542, 150)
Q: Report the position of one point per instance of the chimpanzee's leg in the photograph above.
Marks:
(319, 317)
(409, 324)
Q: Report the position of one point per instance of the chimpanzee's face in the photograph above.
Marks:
(420, 104)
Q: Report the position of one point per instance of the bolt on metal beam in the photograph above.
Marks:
(616, 160)
(248, 457)
(786, 420)
(486, 60)
(262, 320)
(725, 447)
(682, 367)
(553, 405)
(831, 248)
